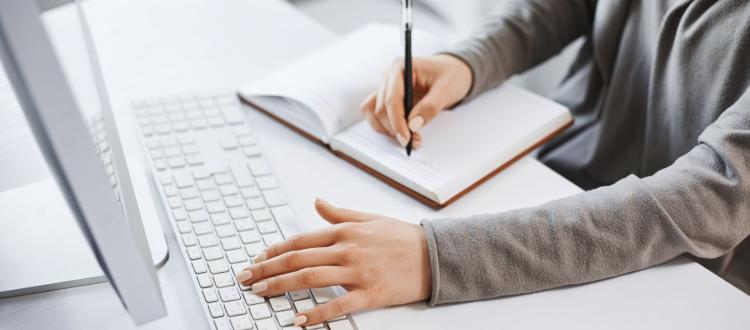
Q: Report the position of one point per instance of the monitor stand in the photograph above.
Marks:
(42, 247)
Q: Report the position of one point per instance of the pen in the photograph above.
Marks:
(408, 79)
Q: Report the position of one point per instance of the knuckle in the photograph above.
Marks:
(309, 277)
(292, 259)
(295, 242)
(340, 307)
(259, 270)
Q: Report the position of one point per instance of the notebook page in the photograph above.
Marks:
(460, 146)
(334, 81)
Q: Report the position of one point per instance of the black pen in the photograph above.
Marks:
(408, 78)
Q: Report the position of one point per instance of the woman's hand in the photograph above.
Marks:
(440, 82)
(380, 261)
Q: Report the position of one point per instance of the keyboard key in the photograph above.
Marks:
(229, 294)
(299, 294)
(266, 182)
(222, 324)
(239, 213)
(175, 202)
(253, 249)
(215, 310)
(242, 131)
(199, 123)
(266, 324)
(171, 191)
(286, 318)
(243, 225)
(215, 207)
(242, 176)
(224, 280)
(160, 164)
(198, 216)
(241, 322)
(228, 144)
(193, 204)
(189, 193)
(323, 295)
(183, 180)
(176, 162)
(258, 167)
(233, 116)
(200, 174)
(194, 253)
(205, 184)
(253, 151)
(189, 240)
(179, 215)
(340, 325)
(220, 219)
(218, 266)
(274, 197)
(213, 253)
(172, 152)
(207, 240)
(199, 267)
(261, 215)
(202, 229)
(223, 178)
(210, 196)
(225, 231)
(166, 179)
(235, 308)
(303, 305)
(250, 192)
(250, 236)
(234, 201)
(255, 203)
(204, 281)
(273, 238)
(267, 227)
(247, 141)
(184, 227)
(239, 267)
(251, 298)
(231, 243)
(209, 295)
(228, 190)
(279, 303)
(194, 160)
(236, 256)
(260, 311)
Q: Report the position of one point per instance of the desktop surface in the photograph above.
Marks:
(680, 294)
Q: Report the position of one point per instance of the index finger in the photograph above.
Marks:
(394, 103)
(320, 238)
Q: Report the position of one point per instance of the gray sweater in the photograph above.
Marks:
(661, 142)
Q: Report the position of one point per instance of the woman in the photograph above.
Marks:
(661, 140)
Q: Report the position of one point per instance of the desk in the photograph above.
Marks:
(156, 47)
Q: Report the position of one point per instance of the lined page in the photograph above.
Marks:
(334, 81)
(460, 146)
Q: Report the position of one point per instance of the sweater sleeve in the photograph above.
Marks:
(519, 35)
(699, 205)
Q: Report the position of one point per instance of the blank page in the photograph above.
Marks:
(460, 146)
(334, 81)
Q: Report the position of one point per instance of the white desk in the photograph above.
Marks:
(155, 47)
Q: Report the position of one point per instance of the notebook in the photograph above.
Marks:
(319, 96)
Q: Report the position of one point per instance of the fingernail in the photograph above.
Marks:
(401, 140)
(261, 257)
(300, 320)
(259, 287)
(244, 276)
(416, 123)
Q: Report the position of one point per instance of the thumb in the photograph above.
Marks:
(427, 108)
(335, 215)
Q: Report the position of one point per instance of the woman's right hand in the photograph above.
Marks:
(440, 82)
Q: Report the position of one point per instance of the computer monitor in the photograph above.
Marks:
(68, 111)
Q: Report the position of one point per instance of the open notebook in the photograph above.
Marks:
(320, 95)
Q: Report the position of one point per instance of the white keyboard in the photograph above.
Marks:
(224, 204)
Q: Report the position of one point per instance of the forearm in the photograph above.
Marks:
(699, 205)
(521, 34)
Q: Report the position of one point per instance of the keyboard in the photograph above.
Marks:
(224, 205)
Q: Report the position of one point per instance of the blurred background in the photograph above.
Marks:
(450, 19)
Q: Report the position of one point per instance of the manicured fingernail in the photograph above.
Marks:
(259, 287)
(416, 123)
(260, 257)
(300, 320)
(401, 140)
(244, 276)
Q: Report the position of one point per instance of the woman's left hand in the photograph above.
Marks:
(379, 261)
